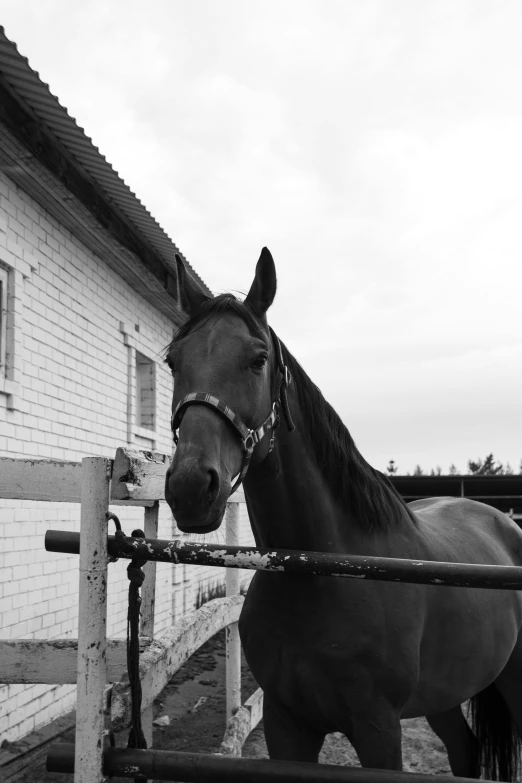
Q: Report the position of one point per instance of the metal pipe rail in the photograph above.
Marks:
(289, 561)
(205, 768)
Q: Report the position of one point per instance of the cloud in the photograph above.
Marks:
(374, 149)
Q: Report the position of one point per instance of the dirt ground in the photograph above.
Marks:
(194, 701)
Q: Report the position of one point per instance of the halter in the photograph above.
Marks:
(249, 437)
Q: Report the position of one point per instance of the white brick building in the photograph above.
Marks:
(89, 299)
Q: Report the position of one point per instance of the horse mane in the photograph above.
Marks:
(369, 494)
(373, 501)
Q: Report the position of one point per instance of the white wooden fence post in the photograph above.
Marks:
(148, 603)
(233, 644)
(92, 622)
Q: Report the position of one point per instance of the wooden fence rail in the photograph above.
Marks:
(133, 478)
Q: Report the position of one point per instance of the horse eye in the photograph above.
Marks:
(260, 362)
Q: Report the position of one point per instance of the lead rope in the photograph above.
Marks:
(136, 577)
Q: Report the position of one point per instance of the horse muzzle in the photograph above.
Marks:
(196, 495)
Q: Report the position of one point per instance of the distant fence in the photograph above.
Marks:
(502, 492)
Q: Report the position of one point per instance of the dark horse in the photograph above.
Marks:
(345, 655)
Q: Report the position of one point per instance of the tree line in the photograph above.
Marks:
(480, 467)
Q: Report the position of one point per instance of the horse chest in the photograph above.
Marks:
(315, 647)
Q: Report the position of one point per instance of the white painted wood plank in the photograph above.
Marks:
(142, 503)
(148, 591)
(167, 654)
(54, 481)
(233, 643)
(241, 724)
(148, 602)
(139, 475)
(33, 479)
(92, 622)
(53, 661)
(147, 716)
(255, 705)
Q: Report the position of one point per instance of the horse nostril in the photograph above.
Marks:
(213, 484)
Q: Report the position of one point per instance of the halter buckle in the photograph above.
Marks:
(249, 441)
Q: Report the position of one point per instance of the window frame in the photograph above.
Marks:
(4, 312)
(138, 418)
(134, 431)
(14, 271)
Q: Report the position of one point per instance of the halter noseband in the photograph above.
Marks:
(249, 437)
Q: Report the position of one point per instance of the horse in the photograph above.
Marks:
(339, 655)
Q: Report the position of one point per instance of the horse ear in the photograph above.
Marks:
(192, 297)
(263, 289)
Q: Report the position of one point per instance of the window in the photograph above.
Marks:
(141, 391)
(3, 319)
(145, 392)
(13, 272)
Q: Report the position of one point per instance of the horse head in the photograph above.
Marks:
(226, 365)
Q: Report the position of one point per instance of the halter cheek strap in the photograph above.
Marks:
(249, 437)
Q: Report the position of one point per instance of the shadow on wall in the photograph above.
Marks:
(216, 590)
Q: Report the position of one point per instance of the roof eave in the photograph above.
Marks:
(36, 119)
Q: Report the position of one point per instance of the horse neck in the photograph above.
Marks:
(291, 506)
(289, 503)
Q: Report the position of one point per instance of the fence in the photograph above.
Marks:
(137, 479)
(88, 757)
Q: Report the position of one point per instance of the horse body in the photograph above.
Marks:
(465, 622)
(341, 654)
(419, 642)
(332, 654)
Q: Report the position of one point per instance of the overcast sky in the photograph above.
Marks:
(374, 147)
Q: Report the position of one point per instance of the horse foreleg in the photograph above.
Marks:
(452, 728)
(288, 738)
(376, 739)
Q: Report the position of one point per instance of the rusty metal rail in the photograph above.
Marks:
(289, 561)
(205, 768)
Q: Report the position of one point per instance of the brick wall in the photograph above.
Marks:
(71, 401)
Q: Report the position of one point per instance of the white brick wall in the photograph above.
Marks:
(72, 403)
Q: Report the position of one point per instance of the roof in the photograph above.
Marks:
(43, 125)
